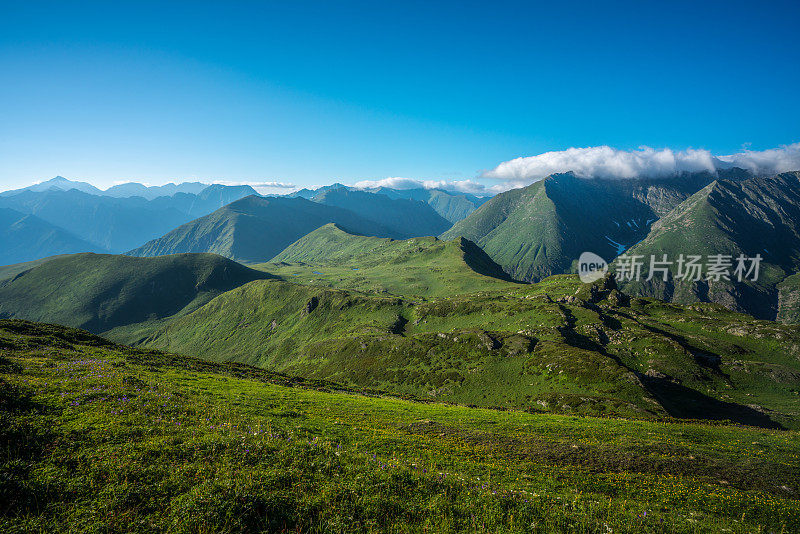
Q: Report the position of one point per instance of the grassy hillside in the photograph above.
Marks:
(10, 271)
(404, 217)
(422, 266)
(255, 229)
(753, 216)
(555, 346)
(119, 295)
(25, 238)
(97, 437)
(542, 229)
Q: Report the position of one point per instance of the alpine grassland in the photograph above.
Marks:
(422, 266)
(556, 346)
(98, 437)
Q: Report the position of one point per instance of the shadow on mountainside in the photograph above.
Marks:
(685, 403)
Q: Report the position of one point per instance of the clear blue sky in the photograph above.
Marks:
(310, 93)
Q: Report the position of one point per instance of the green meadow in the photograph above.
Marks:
(97, 437)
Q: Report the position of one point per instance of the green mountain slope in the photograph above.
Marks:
(105, 437)
(422, 266)
(404, 217)
(10, 271)
(558, 345)
(542, 229)
(27, 237)
(753, 216)
(555, 346)
(101, 293)
(254, 229)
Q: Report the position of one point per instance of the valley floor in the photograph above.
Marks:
(97, 437)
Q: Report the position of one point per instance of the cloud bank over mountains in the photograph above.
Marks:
(588, 162)
(608, 162)
(605, 162)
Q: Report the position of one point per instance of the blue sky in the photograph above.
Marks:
(311, 93)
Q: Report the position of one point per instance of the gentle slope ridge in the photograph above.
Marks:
(100, 292)
(423, 266)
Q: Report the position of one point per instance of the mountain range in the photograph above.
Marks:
(530, 233)
(759, 216)
(26, 237)
(127, 216)
(130, 189)
(450, 205)
(542, 229)
(254, 229)
(107, 223)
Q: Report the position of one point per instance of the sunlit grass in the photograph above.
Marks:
(109, 439)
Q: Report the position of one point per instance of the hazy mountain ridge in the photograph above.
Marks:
(405, 217)
(450, 205)
(125, 190)
(117, 224)
(255, 229)
(25, 237)
(128, 216)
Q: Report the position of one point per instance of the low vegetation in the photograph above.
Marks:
(557, 346)
(97, 437)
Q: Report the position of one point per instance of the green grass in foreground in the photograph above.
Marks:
(97, 437)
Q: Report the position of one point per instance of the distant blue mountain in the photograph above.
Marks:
(133, 189)
(59, 183)
(450, 205)
(25, 237)
(118, 224)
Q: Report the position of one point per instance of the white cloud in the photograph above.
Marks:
(772, 161)
(608, 162)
